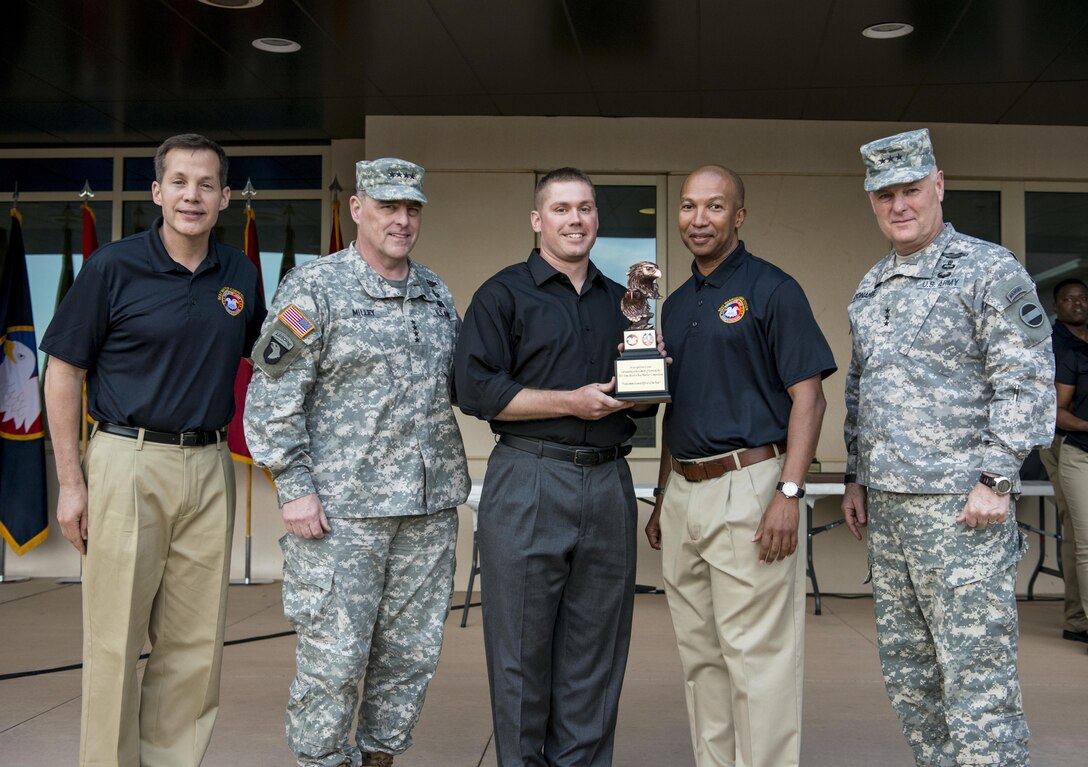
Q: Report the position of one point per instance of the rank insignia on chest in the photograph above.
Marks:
(298, 322)
(233, 301)
(277, 345)
(733, 310)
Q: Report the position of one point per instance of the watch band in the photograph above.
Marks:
(799, 492)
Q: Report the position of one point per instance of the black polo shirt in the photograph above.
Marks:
(160, 344)
(739, 338)
(1072, 370)
(1063, 340)
(528, 328)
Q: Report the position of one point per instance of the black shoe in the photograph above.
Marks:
(1075, 636)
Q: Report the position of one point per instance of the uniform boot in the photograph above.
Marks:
(377, 759)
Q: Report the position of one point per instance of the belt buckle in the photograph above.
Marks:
(191, 439)
(586, 457)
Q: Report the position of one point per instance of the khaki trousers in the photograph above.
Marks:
(739, 624)
(160, 520)
(1075, 619)
(1073, 470)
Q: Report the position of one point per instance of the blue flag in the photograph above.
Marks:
(24, 520)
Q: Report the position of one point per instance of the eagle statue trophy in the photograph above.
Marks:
(642, 280)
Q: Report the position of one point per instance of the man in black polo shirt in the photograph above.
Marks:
(1070, 332)
(557, 518)
(749, 359)
(156, 323)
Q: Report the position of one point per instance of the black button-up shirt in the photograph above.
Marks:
(528, 328)
(160, 344)
(739, 338)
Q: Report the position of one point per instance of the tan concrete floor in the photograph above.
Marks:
(848, 721)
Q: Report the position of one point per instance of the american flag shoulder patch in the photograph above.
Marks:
(296, 320)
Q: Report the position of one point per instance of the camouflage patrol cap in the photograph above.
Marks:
(390, 179)
(898, 159)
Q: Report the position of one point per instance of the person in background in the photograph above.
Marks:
(1070, 332)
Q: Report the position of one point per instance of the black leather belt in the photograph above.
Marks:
(183, 439)
(579, 456)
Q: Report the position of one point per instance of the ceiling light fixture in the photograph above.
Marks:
(276, 45)
(887, 30)
(647, 211)
(236, 5)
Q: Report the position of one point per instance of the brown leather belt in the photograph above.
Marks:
(697, 471)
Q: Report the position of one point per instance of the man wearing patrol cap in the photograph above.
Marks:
(349, 409)
(949, 388)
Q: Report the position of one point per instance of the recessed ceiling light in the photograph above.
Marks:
(233, 4)
(887, 30)
(647, 211)
(276, 45)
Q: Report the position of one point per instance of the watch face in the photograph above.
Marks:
(1002, 485)
(789, 489)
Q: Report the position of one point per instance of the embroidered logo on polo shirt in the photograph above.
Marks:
(233, 301)
(296, 320)
(733, 310)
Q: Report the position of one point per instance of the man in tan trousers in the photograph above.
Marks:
(156, 323)
(746, 379)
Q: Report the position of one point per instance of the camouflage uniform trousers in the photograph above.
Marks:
(367, 600)
(947, 629)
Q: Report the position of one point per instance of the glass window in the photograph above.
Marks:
(45, 174)
(266, 172)
(627, 234)
(976, 213)
(1056, 234)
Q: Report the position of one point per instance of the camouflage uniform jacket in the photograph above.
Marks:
(350, 396)
(951, 372)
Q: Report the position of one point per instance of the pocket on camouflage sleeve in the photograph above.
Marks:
(307, 583)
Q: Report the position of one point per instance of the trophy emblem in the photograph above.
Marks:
(640, 369)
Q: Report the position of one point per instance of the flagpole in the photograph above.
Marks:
(248, 192)
(5, 578)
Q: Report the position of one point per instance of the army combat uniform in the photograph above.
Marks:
(950, 376)
(350, 399)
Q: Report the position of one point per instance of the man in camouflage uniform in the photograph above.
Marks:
(949, 388)
(350, 409)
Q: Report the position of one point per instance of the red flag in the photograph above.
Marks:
(236, 437)
(336, 240)
(90, 236)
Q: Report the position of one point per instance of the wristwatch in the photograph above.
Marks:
(658, 492)
(790, 489)
(1000, 485)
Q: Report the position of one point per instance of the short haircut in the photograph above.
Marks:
(557, 176)
(734, 179)
(1066, 283)
(194, 142)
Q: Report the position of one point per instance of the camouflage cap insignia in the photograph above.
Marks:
(733, 310)
(233, 301)
(296, 320)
